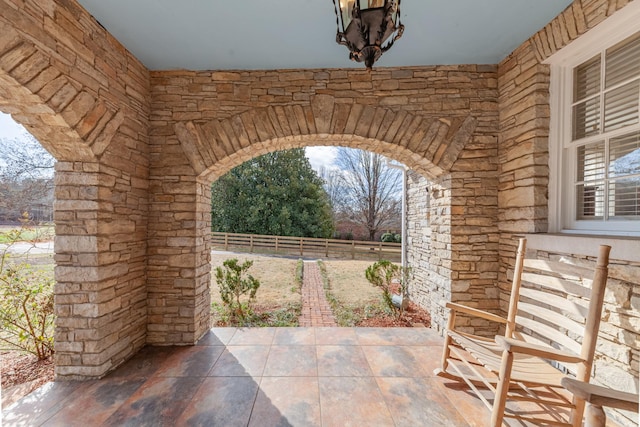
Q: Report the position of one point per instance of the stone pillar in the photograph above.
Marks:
(202, 294)
(179, 255)
(439, 282)
(418, 238)
(454, 244)
(100, 286)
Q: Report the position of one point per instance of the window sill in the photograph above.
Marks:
(622, 248)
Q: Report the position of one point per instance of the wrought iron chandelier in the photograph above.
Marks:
(368, 28)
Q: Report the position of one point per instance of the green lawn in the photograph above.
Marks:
(10, 234)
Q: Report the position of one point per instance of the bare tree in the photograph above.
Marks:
(26, 178)
(371, 191)
(334, 187)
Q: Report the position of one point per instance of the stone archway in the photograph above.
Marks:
(70, 94)
(179, 262)
(430, 144)
(138, 149)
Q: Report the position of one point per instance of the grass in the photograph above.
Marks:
(352, 298)
(258, 316)
(348, 283)
(278, 301)
(10, 234)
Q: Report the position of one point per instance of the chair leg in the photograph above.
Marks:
(446, 352)
(578, 412)
(500, 400)
(595, 416)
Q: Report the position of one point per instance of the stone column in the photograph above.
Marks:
(179, 260)
(100, 286)
(418, 239)
(440, 273)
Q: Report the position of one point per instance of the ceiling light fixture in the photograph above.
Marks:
(368, 28)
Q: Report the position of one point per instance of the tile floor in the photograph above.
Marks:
(267, 377)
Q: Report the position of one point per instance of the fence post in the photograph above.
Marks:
(380, 251)
(326, 248)
(251, 243)
(353, 249)
(226, 241)
(276, 243)
(301, 249)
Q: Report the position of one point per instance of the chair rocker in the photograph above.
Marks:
(550, 332)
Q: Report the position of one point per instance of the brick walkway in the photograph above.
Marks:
(315, 307)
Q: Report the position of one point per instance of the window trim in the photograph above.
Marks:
(611, 31)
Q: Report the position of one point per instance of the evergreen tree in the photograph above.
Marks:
(275, 194)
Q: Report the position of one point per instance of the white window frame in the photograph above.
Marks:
(562, 209)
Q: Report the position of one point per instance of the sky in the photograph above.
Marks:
(10, 129)
(322, 157)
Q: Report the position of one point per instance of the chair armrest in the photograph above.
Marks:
(475, 312)
(601, 396)
(517, 346)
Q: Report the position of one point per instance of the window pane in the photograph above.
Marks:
(606, 114)
(346, 6)
(624, 155)
(623, 61)
(624, 161)
(621, 106)
(587, 79)
(586, 118)
(623, 198)
(590, 201)
(591, 163)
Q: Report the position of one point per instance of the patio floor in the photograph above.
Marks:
(267, 377)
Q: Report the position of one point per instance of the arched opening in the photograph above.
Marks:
(26, 170)
(280, 194)
(98, 137)
(137, 151)
(215, 157)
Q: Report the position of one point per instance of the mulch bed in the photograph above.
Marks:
(18, 368)
(413, 316)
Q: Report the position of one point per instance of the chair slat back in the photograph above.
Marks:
(560, 304)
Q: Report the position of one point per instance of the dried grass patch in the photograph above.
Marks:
(278, 285)
(348, 283)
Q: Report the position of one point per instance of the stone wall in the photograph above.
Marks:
(617, 354)
(440, 121)
(137, 152)
(86, 100)
(523, 154)
(454, 263)
(418, 239)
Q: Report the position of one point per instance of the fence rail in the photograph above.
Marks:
(306, 246)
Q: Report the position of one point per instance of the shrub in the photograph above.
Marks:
(233, 285)
(26, 302)
(383, 274)
(387, 238)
